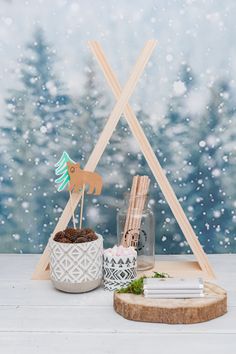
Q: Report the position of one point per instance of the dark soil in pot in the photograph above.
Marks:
(71, 235)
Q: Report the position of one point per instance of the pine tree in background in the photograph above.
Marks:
(175, 133)
(174, 142)
(18, 181)
(207, 200)
(39, 118)
(94, 107)
(192, 151)
(226, 155)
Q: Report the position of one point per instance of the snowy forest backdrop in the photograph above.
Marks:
(54, 98)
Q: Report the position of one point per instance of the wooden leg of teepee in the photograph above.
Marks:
(102, 142)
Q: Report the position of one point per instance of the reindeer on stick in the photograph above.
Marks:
(71, 173)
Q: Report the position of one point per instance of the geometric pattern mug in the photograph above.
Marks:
(76, 267)
(118, 271)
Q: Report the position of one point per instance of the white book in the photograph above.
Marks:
(173, 283)
(173, 291)
(172, 296)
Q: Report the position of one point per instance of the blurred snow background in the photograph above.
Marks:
(53, 97)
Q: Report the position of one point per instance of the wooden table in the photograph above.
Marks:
(35, 318)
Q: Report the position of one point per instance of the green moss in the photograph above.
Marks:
(136, 286)
(160, 275)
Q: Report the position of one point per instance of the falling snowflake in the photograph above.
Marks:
(179, 88)
(216, 172)
(217, 213)
(202, 143)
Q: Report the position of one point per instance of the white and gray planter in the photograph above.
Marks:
(76, 267)
(119, 271)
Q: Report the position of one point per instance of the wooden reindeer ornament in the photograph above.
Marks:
(79, 178)
(70, 173)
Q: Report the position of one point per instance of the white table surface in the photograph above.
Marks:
(36, 318)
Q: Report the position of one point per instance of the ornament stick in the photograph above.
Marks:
(81, 208)
(72, 212)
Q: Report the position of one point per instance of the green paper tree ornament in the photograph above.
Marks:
(62, 171)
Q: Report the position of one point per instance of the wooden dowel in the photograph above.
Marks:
(132, 194)
(129, 216)
(136, 206)
(133, 212)
(130, 207)
(141, 201)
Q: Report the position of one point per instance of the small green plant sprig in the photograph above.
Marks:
(136, 286)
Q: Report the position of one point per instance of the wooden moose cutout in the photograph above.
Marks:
(79, 178)
(71, 174)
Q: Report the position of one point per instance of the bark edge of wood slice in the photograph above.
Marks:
(173, 311)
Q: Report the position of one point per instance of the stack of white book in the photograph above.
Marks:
(173, 288)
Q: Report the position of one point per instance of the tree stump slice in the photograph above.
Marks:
(173, 311)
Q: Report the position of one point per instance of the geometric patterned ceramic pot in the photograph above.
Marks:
(119, 271)
(76, 267)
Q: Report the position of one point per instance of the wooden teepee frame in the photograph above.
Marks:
(122, 96)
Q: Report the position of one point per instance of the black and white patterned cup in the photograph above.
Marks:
(76, 267)
(119, 271)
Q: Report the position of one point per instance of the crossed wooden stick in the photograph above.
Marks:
(122, 97)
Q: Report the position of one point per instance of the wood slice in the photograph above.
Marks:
(173, 311)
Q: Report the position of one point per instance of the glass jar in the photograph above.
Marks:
(138, 230)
